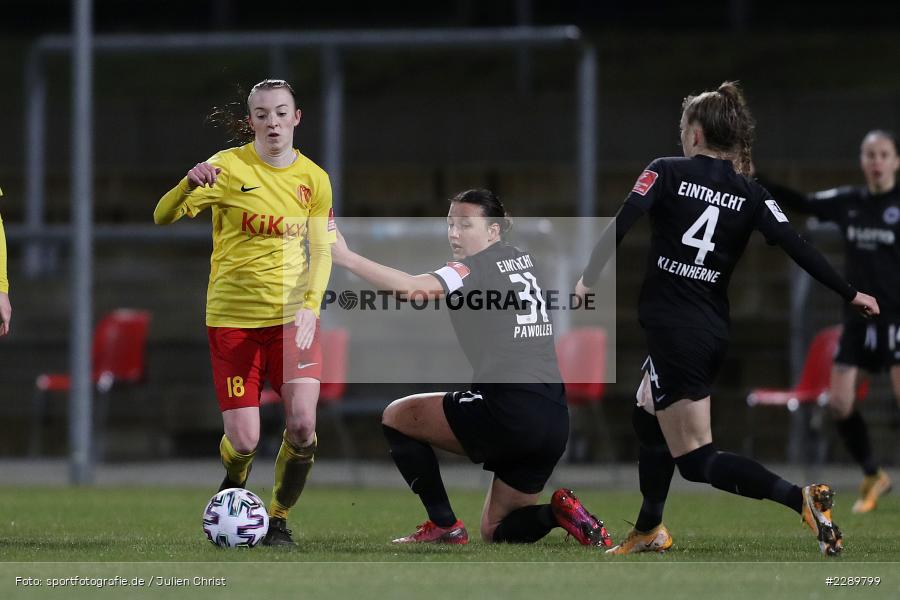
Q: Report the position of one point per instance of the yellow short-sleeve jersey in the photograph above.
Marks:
(262, 217)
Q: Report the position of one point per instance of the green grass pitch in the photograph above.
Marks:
(725, 546)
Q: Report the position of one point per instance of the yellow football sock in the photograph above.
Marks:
(292, 468)
(237, 465)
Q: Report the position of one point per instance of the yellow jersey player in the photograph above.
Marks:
(5, 308)
(262, 309)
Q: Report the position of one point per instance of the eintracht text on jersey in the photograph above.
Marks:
(701, 192)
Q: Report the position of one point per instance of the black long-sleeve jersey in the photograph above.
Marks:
(702, 214)
(870, 225)
(500, 315)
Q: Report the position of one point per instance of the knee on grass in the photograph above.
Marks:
(487, 531)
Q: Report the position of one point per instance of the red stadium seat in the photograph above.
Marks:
(812, 388)
(815, 379)
(582, 364)
(118, 358)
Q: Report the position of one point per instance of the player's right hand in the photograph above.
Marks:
(5, 313)
(203, 174)
(581, 290)
(865, 304)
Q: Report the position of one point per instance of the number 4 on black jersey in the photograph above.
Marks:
(702, 214)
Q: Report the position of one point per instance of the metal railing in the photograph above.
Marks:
(330, 45)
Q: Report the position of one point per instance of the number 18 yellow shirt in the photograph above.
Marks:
(262, 217)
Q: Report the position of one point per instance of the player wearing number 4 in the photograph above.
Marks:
(703, 209)
(262, 304)
(514, 418)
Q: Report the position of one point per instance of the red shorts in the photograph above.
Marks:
(241, 358)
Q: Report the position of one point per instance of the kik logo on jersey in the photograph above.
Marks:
(255, 224)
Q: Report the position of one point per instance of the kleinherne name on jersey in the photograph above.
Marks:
(685, 270)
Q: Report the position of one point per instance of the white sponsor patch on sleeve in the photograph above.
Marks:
(776, 211)
(453, 275)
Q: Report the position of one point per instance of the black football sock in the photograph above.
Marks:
(738, 475)
(746, 477)
(855, 433)
(655, 469)
(418, 464)
(525, 525)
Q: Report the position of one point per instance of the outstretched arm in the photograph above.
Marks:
(640, 200)
(786, 196)
(382, 276)
(5, 307)
(825, 205)
(811, 261)
(609, 240)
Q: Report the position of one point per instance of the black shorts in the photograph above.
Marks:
(519, 431)
(870, 344)
(682, 363)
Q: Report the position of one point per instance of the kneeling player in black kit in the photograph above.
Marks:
(869, 219)
(514, 418)
(703, 209)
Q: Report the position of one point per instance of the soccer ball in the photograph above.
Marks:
(235, 518)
